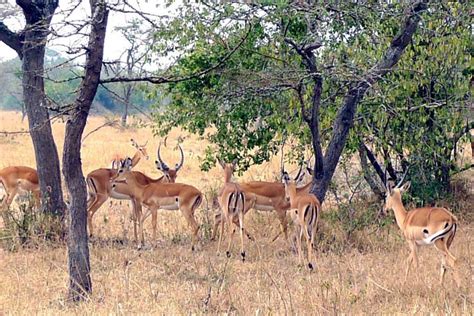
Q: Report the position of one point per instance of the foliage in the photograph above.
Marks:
(249, 104)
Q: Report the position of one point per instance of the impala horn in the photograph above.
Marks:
(403, 177)
(299, 173)
(163, 165)
(178, 166)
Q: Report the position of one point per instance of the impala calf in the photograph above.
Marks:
(305, 211)
(422, 227)
(19, 178)
(169, 196)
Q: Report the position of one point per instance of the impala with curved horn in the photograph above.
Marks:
(100, 187)
(19, 178)
(171, 174)
(422, 227)
(305, 210)
(170, 196)
(140, 153)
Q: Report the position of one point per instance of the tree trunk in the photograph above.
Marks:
(80, 284)
(126, 103)
(345, 117)
(38, 17)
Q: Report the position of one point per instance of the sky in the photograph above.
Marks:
(115, 43)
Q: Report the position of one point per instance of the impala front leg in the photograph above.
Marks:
(412, 258)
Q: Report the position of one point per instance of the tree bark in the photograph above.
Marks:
(30, 46)
(345, 117)
(80, 284)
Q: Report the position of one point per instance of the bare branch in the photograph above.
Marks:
(161, 80)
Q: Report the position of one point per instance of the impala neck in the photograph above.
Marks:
(292, 192)
(136, 158)
(400, 212)
(227, 175)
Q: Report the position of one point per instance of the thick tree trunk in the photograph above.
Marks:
(345, 117)
(80, 284)
(38, 17)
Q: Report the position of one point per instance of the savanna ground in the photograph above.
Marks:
(362, 274)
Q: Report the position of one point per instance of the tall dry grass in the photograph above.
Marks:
(167, 278)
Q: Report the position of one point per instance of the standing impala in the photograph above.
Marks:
(17, 178)
(169, 196)
(269, 196)
(234, 204)
(100, 187)
(140, 153)
(305, 211)
(422, 227)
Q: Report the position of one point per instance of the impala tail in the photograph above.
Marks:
(444, 229)
(310, 216)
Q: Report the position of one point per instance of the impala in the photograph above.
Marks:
(19, 178)
(422, 227)
(269, 196)
(169, 196)
(140, 153)
(100, 186)
(234, 204)
(305, 211)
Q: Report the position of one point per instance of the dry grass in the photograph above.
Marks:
(169, 278)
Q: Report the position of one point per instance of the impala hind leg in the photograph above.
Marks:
(241, 224)
(189, 216)
(231, 237)
(309, 244)
(441, 245)
(96, 203)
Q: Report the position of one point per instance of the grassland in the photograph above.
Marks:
(365, 277)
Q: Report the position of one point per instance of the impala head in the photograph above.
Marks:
(170, 174)
(393, 195)
(290, 184)
(140, 148)
(120, 176)
(228, 168)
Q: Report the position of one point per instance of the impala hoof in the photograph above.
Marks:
(227, 253)
(243, 256)
(192, 248)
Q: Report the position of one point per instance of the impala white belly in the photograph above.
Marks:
(263, 207)
(171, 203)
(119, 196)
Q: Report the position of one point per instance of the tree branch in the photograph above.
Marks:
(345, 116)
(161, 80)
(11, 39)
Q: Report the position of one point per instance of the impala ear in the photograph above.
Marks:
(222, 163)
(405, 187)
